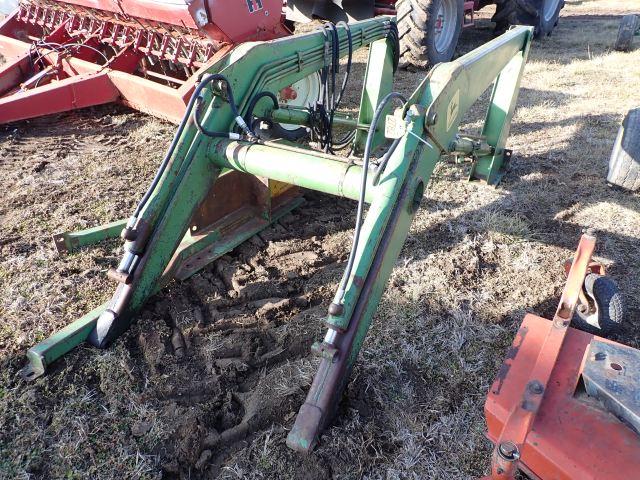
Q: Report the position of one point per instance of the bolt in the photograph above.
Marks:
(509, 451)
(336, 309)
(536, 387)
(432, 118)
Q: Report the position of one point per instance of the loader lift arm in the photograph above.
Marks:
(217, 187)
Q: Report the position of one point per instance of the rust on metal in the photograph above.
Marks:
(539, 405)
(522, 415)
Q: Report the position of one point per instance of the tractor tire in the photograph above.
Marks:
(605, 316)
(624, 164)
(540, 14)
(626, 32)
(429, 31)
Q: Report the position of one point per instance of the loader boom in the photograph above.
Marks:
(217, 187)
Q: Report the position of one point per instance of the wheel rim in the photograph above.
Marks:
(303, 93)
(592, 313)
(445, 26)
(550, 7)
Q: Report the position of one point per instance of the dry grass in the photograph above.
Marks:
(476, 260)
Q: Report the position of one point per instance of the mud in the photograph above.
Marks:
(234, 329)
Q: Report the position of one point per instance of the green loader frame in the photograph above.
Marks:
(214, 191)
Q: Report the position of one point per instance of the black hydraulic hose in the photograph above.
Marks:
(347, 138)
(336, 305)
(394, 35)
(333, 70)
(248, 117)
(203, 130)
(174, 143)
(234, 108)
(383, 162)
(349, 61)
(344, 141)
(322, 113)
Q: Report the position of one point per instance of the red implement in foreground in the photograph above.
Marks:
(566, 403)
(146, 54)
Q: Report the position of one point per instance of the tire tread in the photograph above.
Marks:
(624, 163)
(414, 18)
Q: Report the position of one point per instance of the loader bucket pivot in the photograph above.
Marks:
(220, 183)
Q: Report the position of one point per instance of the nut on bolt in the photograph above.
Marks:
(432, 118)
(336, 309)
(509, 451)
(536, 387)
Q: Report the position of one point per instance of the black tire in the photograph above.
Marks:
(628, 27)
(604, 315)
(624, 164)
(417, 21)
(528, 12)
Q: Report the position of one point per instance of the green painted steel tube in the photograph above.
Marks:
(67, 242)
(46, 352)
(304, 168)
(300, 116)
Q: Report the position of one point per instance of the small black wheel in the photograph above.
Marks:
(628, 27)
(429, 30)
(541, 14)
(604, 313)
(624, 164)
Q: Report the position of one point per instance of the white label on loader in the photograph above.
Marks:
(452, 109)
(394, 127)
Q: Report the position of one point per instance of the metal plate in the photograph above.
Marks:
(612, 375)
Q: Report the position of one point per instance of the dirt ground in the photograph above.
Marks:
(476, 260)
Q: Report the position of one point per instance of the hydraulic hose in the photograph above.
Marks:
(322, 113)
(131, 259)
(254, 101)
(383, 162)
(174, 143)
(234, 108)
(336, 307)
(349, 60)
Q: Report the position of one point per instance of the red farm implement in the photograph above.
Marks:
(62, 55)
(145, 54)
(565, 404)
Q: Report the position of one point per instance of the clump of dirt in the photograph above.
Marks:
(238, 326)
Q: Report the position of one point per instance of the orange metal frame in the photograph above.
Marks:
(535, 415)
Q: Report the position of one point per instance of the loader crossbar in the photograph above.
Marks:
(220, 184)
